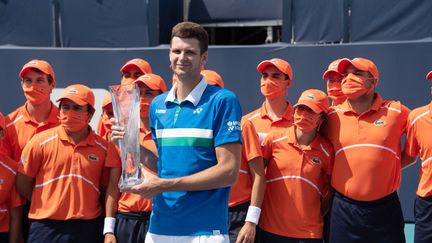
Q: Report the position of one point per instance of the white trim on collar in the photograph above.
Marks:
(194, 96)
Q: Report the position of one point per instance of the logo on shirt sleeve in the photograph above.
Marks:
(23, 159)
(234, 126)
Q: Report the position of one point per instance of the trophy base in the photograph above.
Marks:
(128, 183)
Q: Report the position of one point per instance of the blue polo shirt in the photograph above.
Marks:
(186, 135)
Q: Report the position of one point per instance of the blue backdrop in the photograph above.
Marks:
(402, 66)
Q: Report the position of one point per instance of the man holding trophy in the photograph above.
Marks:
(196, 128)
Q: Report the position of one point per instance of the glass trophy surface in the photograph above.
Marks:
(125, 101)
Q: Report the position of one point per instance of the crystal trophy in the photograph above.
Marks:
(125, 101)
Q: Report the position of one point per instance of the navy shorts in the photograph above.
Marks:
(66, 231)
(379, 221)
(423, 220)
(4, 237)
(236, 219)
(131, 227)
(266, 236)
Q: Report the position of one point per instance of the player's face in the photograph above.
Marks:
(186, 57)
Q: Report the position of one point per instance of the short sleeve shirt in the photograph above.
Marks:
(9, 197)
(367, 148)
(67, 176)
(419, 142)
(297, 180)
(186, 135)
(263, 123)
(21, 128)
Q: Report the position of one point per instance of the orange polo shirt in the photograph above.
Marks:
(297, 180)
(419, 141)
(367, 148)
(20, 128)
(9, 197)
(130, 202)
(67, 176)
(263, 123)
(251, 149)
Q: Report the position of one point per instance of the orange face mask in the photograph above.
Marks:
(145, 107)
(306, 121)
(272, 88)
(353, 86)
(334, 91)
(37, 94)
(125, 81)
(74, 121)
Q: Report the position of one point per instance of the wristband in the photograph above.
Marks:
(253, 214)
(109, 225)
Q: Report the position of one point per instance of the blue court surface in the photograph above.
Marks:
(409, 232)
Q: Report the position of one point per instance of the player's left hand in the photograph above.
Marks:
(151, 185)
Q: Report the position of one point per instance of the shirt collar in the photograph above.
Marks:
(286, 116)
(376, 104)
(53, 116)
(292, 139)
(291, 135)
(90, 139)
(194, 96)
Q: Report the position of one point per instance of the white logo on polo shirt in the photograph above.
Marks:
(160, 111)
(197, 110)
(234, 126)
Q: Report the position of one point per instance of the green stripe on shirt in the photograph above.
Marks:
(185, 141)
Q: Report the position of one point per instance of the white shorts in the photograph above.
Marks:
(154, 238)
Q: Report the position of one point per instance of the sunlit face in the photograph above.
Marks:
(369, 79)
(132, 72)
(335, 77)
(186, 57)
(32, 77)
(274, 73)
(67, 104)
(146, 92)
(304, 108)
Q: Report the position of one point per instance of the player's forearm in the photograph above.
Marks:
(223, 174)
(214, 177)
